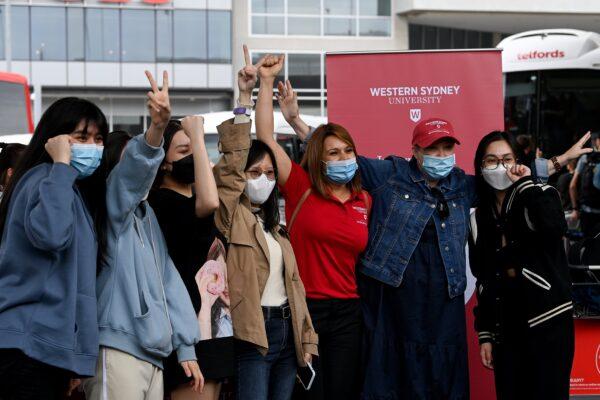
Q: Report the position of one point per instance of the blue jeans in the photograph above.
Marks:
(272, 376)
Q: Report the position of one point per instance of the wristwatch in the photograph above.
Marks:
(242, 111)
(557, 165)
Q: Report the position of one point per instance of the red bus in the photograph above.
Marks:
(15, 104)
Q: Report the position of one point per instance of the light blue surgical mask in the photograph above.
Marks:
(341, 172)
(438, 167)
(85, 158)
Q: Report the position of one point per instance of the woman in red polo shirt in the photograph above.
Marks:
(327, 215)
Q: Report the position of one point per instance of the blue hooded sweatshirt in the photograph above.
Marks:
(48, 272)
(144, 308)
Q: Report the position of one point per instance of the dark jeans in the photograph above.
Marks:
(23, 378)
(589, 223)
(339, 325)
(271, 376)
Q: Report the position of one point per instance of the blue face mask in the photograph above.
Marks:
(85, 158)
(438, 167)
(341, 172)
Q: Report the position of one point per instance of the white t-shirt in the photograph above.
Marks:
(274, 294)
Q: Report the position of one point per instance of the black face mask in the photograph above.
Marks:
(183, 170)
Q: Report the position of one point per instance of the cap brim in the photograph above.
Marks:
(429, 140)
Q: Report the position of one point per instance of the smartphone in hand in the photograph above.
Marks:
(306, 376)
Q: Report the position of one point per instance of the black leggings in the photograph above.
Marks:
(537, 364)
(23, 378)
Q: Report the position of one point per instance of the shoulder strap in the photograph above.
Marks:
(297, 209)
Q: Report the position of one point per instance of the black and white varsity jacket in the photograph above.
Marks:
(533, 223)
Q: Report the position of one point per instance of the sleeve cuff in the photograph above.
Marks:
(541, 168)
(486, 337)
(524, 183)
(64, 171)
(186, 353)
(146, 148)
(234, 137)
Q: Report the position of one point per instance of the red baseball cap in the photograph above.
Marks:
(431, 130)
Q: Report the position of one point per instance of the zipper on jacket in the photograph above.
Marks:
(162, 287)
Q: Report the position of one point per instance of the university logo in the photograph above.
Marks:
(415, 114)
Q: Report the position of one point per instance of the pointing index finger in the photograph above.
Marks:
(247, 56)
(165, 86)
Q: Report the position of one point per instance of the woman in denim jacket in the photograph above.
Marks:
(414, 269)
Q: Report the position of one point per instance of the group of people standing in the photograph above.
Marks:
(133, 268)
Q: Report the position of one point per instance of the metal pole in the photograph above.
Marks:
(7, 36)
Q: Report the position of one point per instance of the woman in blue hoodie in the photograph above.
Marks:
(144, 310)
(48, 253)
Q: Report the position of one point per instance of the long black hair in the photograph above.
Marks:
(172, 128)
(270, 208)
(485, 192)
(113, 148)
(8, 159)
(63, 117)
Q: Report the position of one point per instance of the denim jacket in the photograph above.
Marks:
(402, 205)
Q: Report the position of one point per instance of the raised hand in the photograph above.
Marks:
(271, 66)
(288, 101)
(193, 125)
(158, 102)
(248, 75)
(59, 148)
(577, 149)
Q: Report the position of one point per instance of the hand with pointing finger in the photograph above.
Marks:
(248, 75)
(158, 103)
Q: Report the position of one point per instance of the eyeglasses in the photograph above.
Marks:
(256, 173)
(442, 204)
(492, 162)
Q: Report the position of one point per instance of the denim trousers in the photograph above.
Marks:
(271, 376)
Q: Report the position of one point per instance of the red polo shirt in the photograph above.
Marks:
(328, 237)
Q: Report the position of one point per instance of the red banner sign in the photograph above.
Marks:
(380, 97)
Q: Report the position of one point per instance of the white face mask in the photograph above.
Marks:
(258, 190)
(497, 178)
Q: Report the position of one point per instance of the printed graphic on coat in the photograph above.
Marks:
(214, 317)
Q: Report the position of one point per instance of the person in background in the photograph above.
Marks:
(563, 184)
(51, 215)
(9, 156)
(271, 321)
(584, 189)
(525, 149)
(328, 214)
(524, 306)
(184, 199)
(144, 310)
(413, 273)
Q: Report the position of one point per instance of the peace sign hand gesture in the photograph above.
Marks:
(158, 101)
(248, 75)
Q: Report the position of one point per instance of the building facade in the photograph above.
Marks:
(99, 49)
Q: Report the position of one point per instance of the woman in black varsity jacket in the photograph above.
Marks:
(524, 311)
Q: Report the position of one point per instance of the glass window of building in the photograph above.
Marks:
(432, 37)
(137, 39)
(75, 34)
(219, 36)
(306, 73)
(19, 30)
(102, 34)
(268, 6)
(164, 35)
(322, 17)
(48, 34)
(190, 41)
(2, 32)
